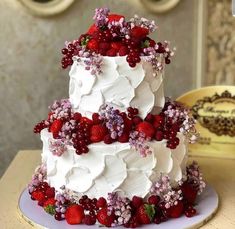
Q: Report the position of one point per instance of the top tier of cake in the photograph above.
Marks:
(118, 84)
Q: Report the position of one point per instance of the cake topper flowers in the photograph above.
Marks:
(113, 35)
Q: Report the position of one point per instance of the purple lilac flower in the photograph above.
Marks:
(120, 206)
(138, 141)
(101, 16)
(113, 120)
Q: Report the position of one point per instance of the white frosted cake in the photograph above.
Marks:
(115, 152)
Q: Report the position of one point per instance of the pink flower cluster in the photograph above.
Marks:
(177, 112)
(38, 177)
(195, 177)
(120, 206)
(57, 147)
(164, 190)
(138, 141)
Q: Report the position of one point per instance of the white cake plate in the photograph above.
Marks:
(207, 205)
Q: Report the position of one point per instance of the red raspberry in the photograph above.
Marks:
(153, 200)
(114, 17)
(137, 201)
(93, 29)
(159, 135)
(89, 220)
(176, 210)
(108, 139)
(123, 51)
(137, 120)
(116, 45)
(50, 192)
(101, 202)
(124, 138)
(146, 128)
(96, 118)
(98, 133)
(149, 118)
(104, 46)
(139, 32)
(77, 116)
(189, 192)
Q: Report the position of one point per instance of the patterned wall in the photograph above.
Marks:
(220, 43)
(30, 73)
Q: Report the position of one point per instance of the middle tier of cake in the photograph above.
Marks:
(118, 84)
(114, 167)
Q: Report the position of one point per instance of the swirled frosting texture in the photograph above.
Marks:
(118, 84)
(114, 167)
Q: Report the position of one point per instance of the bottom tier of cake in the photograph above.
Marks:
(113, 168)
(163, 202)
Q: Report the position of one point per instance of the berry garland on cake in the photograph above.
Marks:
(110, 125)
(163, 202)
(113, 35)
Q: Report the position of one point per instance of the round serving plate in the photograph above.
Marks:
(207, 204)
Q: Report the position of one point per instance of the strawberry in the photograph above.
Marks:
(93, 45)
(50, 192)
(176, 210)
(123, 51)
(74, 214)
(146, 128)
(38, 195)
(114, 17)
(56, 127)
(98, 133)
(137, 201)
(104, 46)
(145, 213)
(104, 218)
(189, 192)
(86, 120)
(116, 45)
(111, 52)
(93, 29)
(139, 32)
(50, 201)
(123, 138)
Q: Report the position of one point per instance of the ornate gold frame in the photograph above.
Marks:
(50, 8)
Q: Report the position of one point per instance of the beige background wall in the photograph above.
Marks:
(30, 73)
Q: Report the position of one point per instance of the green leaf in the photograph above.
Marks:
(150, 211)
(50, 209)
(145, 44)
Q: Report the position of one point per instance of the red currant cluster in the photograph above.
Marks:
(40, 126)
(82, 138)
(89, 205)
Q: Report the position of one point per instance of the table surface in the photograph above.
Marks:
(219, 173)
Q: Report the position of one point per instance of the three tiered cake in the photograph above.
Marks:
(115, 152)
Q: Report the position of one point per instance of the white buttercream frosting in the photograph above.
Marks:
(118, 84)
(115, 167)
